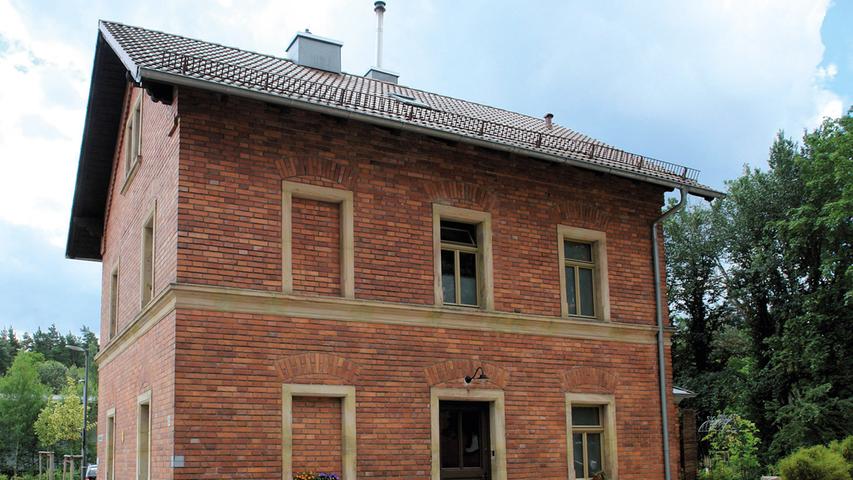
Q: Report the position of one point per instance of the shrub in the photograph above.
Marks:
(720, 471)
(844, 448)
(814, 463)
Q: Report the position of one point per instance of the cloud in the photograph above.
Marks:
(44, 81)
(827, 73)
(39, 287)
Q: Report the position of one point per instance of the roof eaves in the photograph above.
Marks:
(119, 51)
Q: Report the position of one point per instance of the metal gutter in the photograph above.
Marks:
(661, 331)
(159, 76)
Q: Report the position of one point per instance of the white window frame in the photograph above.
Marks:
(344, 198)
(607, 404)
(348, 431)
(485, 274)
(601, 293)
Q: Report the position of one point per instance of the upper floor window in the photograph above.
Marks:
(148, 232)
(583, 273)
(580, 269)
(463, 252)
(113, 313)
(459, 258)
(133, 137)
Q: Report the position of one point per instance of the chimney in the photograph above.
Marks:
(377, 73)
(548, 118)
(315, 51)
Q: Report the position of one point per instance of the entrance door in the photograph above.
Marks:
(465, 450)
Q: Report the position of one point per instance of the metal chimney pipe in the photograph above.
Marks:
(379, 8)
(549, 117)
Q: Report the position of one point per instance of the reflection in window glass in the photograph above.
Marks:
(593, 453)
(571, 297)
(577, 446)
(448, 275)
(585, 416)
(586, 295)
(578, 251)
(468, 278)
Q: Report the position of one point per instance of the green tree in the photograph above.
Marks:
(58, 424)
(53, 374)
(22, 397)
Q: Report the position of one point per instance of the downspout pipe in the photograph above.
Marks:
(664, 408)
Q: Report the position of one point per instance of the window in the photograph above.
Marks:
(143, 437)
(591, 435)
(133, 137)
(148, 259)
(291, 190)
(459, 272)
(580, 268)
(110, 446)
(583, 273)
(407, 99)
(587, 434)
(463, 244)
(113, 313)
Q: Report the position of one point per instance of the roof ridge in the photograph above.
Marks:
(567, 130)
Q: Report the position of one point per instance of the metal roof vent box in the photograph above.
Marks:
(314, 51)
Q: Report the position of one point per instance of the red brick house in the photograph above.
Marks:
(307, 270)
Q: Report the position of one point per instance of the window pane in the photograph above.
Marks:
(449, 448)
(585, 416)
(577, 448)
(571, 298)
(448, 276)
(461, 233)
(472, 442)
(578, 251)
(593, 451)
(468, 278)
(587, 297)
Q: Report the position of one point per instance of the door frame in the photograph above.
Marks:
(497, 425)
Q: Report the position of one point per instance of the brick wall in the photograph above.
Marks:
(154, 182)
(235, 154)
(316, 250)
(317, 435)
(228, 396)
(147, 364)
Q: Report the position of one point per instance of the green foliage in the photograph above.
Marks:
(771, 336)
(814, 463)
(22, 396)
(719, 471)
(53, 374)
(59, 423)
(734, 449)
(845, 449)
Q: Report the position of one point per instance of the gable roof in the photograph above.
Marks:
(152, 56)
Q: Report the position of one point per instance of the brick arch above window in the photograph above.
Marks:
(588, 380)
(456, 370)
(316, 167)
(316, 364)
(582, 214)
(470, 195)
